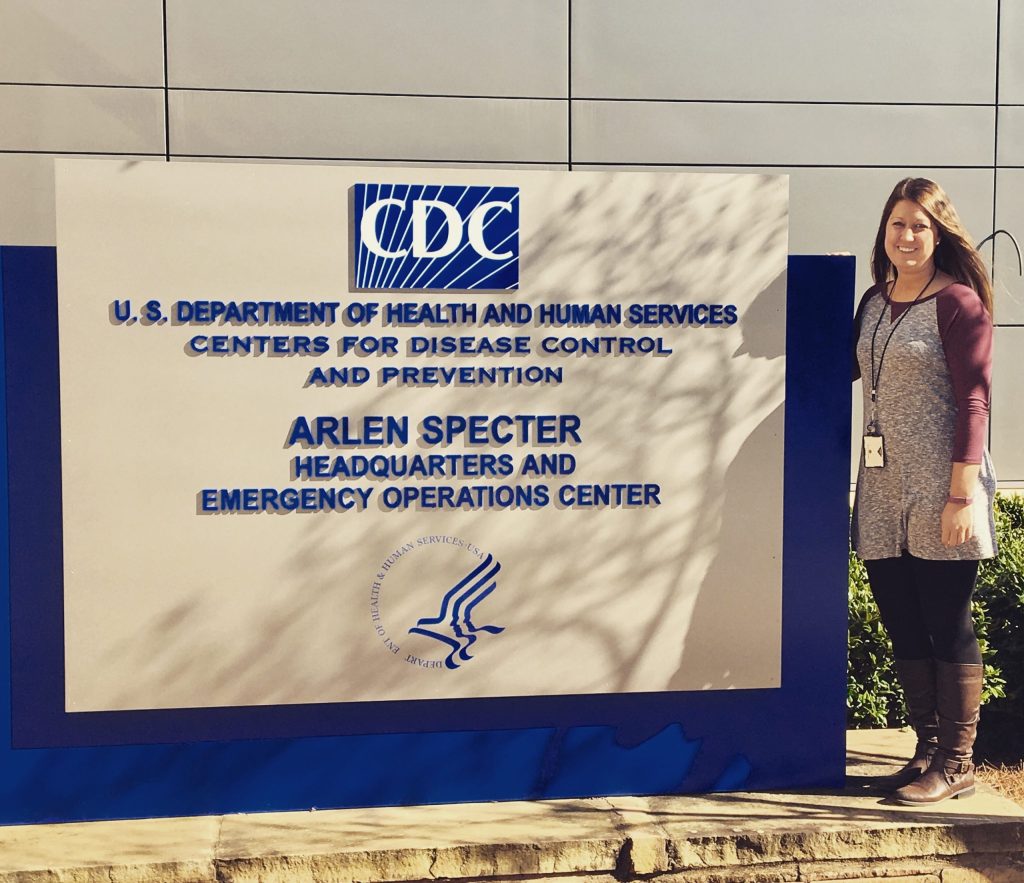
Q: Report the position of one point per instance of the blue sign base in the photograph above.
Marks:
(58, 767)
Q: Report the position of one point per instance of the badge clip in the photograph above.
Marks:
(874, 448)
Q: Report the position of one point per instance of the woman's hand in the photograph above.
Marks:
(957, 523)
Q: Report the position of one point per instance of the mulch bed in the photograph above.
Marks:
(1007, 780)
(999, 753)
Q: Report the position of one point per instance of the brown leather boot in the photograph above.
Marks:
(917, 678)
(951, 772)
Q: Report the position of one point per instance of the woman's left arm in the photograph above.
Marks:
(966, 331)
(957, 517)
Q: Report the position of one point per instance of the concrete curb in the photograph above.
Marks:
(755, 838)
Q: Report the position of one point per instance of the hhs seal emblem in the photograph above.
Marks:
(427, 601)
(453, 626)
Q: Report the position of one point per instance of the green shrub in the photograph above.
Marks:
(1001, 593)
(874, 698)
(872, 695)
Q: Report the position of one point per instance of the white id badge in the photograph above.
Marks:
(874, 450)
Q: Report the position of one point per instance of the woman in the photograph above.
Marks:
(923, 510)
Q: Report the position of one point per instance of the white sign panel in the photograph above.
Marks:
(541, 456)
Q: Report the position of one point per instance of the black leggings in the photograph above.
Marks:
(926, 607)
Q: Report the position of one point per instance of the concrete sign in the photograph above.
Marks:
(343, 452)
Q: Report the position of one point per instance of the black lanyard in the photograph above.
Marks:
(876, 376)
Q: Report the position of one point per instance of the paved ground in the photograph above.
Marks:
(785, 835)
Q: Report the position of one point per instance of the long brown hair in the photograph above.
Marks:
(955, 253)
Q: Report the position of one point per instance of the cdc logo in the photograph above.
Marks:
(433, 237)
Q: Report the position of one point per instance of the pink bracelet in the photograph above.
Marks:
(963, 501)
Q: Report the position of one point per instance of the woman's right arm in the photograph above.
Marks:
(858, 319)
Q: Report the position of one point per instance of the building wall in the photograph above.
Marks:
(845, 98)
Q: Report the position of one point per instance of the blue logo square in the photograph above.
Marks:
(436, 237)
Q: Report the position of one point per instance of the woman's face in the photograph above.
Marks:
(910, 238)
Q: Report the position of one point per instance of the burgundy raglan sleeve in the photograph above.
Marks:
(966, 331)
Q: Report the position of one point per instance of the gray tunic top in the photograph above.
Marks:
(932, 410)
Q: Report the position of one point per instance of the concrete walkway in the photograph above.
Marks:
(852, 835)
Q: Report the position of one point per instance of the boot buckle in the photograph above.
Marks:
(954, 768)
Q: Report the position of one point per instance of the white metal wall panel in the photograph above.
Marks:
(1007, 414)
(449, 47)
(1011, 136)
(786, 50)
(84, 42)
(367, 126)
(81, 120)
(415, 164)
(784, 134)
(26, 194)
(1011, 53)
(1009, 285)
